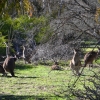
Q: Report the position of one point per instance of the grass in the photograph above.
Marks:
(89, 49)
(34, 83)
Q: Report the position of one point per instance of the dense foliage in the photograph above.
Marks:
(23, 24)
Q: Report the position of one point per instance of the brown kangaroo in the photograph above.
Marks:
(75, 63)
(90, 57)
(55, 66)
(9, 64)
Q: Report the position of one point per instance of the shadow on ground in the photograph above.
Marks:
(15, 97)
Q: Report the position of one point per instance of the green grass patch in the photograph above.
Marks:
(36, 83)
(89, 49)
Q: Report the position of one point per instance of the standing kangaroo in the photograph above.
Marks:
(90, 57)
(26, 55)
(75, 63)
(9, 65)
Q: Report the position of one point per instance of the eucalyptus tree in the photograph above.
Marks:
(9, 10)
(14, 8)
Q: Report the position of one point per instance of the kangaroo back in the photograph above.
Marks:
(9, 65)
(55, 66)
(90, 57)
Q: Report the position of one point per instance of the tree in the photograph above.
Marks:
(14, 8)
(75, 23)
(11, 9)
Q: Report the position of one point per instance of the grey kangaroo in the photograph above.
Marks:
(9, 65)
(75, 63)
(90, 57)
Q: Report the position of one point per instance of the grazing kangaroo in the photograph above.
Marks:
(9, 64)
(75, 63)
(55, 66)
(90, 57)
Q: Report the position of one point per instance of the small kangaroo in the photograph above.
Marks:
(9, 64)
(90, 57)
(55, 66)
(75, 63)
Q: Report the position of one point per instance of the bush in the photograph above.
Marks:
(3, 51)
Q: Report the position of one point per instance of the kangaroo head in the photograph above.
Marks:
(15, 58)
(76, 51)
(56, 63)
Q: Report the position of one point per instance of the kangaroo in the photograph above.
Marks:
(26, 55)
(9, 64)
(75, 63)
(55, 66)
(90, 57)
